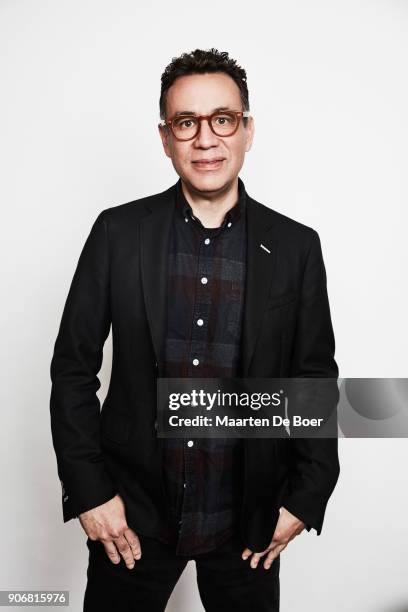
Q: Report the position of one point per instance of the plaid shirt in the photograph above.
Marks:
(206, 280)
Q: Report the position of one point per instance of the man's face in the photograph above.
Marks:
(202, 94)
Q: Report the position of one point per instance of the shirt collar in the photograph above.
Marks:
(232, 215)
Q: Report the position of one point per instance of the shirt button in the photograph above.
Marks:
(229, 224)
(200, 322)
(184, 485)
(190, 443)
(207, 241)
(185, 219)
(195, 362)
(204, 280)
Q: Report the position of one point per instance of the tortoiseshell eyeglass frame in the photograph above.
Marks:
(238, 114)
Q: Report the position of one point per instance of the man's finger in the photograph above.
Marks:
(112, 552)
(256, 557)
(255, 560)
(134, 543)
(125, 550)
(248, 552)
(272, 555)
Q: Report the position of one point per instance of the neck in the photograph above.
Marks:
(211, 207)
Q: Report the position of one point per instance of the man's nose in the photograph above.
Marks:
(206, 137)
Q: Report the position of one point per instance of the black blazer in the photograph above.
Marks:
(120, 280)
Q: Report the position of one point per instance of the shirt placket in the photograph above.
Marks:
(198, 344)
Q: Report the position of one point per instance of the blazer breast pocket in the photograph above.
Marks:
(115, 426)
(279, 301)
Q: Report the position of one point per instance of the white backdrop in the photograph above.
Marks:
(80, 84)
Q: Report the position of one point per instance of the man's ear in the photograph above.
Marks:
(250, 131)
(164, 135)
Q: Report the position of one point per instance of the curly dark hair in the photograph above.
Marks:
(200, 62)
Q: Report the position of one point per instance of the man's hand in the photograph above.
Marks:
(288, 527)
(107, 523)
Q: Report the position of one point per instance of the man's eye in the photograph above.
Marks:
(183, 124)
(222, 119)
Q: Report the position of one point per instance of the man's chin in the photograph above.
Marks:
(207, 183)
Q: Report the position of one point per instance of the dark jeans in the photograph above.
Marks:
(225, 581)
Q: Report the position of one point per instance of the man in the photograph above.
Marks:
(199, 280)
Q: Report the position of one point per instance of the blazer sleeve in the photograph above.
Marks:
(76, 361)
(314, 461)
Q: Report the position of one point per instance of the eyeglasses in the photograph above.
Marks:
(222, 123)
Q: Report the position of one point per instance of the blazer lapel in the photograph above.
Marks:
(261, 258)
(154, 243)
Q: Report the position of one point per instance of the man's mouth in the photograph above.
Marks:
(208, 163)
